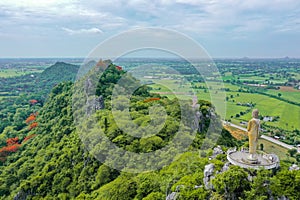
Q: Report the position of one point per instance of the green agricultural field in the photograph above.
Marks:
(288, 95)
(167, 86)
(232, 109)
(252, 78)
(5, 73)
(289, 114)
(4, 95)
(6, 98)
(296, 76)
(270, 77)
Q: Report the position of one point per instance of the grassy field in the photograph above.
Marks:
(236, 133)
(270, 147)
(289, 115)
(251, 77)
(293, 95)
(5, 73)
(232, 109)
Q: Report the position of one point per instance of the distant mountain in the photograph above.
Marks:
(59, 72)
(51, 76)
(40, 83)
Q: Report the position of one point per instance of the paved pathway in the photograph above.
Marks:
(270, 139)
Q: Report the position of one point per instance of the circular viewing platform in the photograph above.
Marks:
(266, 161)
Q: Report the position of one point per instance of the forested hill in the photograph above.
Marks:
(59, 72)
(38, 85)
(53, 75)
(51, 162)
(21, 90)
(30, 83)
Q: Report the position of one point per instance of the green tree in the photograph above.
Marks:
(148, 184)
(20, 116)
(155, 196)
(261, 146)
(298, 157)
(292, 152)
(2, 140)
(286, 183)
(260, 186)
(151, 143)
(232, 183)
(122, 188)
(104, 175)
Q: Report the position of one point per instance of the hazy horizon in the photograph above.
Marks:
(214, 58)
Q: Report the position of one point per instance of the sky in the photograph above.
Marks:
(225, 28)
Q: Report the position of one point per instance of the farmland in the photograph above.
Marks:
(287, 93)
(288, 114)
(8, 73)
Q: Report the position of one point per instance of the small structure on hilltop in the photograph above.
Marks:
(250, 158)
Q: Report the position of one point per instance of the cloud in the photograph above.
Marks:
(190, 16)
(82, 31)
(214, 20)
(35, 3)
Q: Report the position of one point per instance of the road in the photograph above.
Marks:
(270, 139)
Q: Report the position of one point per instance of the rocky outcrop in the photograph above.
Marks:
(201, 119)
(225, 167)
(172, 196)
(294, 167)
(93, 104)
(21, 195)
(99, 103)
(216, 151)
(283, 198)
(208, 175)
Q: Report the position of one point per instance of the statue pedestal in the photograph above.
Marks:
(252, 159)
(241, 158)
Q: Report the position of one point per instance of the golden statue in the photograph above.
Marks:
(253, 134)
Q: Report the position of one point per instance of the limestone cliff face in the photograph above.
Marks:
(93, 102)
(204, 116)
(208, 176)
